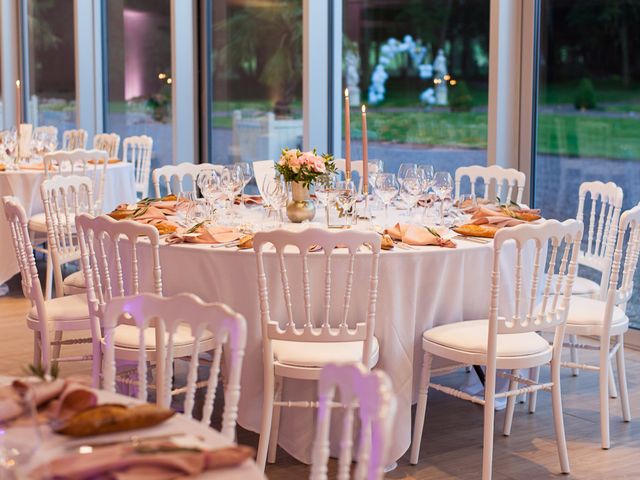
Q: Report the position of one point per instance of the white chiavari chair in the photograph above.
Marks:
(182, 315)
(112, 252)
(165, 175)
(512, 343)
(109, 142)
(74, 139)
(371, 393)
(64, 198)
(495, 177)
(299, 345)
(47, 318)
(137, 151)
(607, 320)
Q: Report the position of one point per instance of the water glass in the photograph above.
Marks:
(341, 211)
(386, 189)
(443, 186)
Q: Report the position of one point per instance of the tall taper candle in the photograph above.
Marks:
(18, 106)
(347, 136)
(365, 153)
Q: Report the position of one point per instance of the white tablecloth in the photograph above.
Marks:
(418, 289)
(57, 445)
(25, 184)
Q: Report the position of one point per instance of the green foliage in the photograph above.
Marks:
(585, 98)
(460, 99)
(40, 372)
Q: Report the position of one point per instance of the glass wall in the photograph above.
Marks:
(255, 78)
(51, 64)
(588, 125)
(421, 66)
(138, 66)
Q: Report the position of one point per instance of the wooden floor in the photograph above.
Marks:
(452, 443)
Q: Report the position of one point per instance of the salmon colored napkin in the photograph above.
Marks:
(157, 461)
(35, 166)
(61, 398)
(205, 234)
(494, 216)
(100, 161)
(418, 236)
(249, 200)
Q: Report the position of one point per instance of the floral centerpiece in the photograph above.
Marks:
(301, 170)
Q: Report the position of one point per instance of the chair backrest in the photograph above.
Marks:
(495, 176)
(542, 294)
(603, 212)
(110, 252)
(263, 169)
(31, 288)
(310, 328)
(372, 394)
(88, 163)
(109, 142)
(137, 151)
(164, 175)
(74, 139)
(64, 198)
(625, 261)
(228, 329)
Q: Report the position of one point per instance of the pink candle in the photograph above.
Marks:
(365, 153)
(347, 135)
(18, 106)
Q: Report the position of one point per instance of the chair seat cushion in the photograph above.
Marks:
(584, 286)
(127, 336)
(587, 311)
(471, 336)
(38, 223)
(67, 308)
(318, 354)
(74, 284)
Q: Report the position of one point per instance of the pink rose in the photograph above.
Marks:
(319, 165)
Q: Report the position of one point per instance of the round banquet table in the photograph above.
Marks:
(54, 445)
(418, 289)
(25, 184)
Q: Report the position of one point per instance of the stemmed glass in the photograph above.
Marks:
(210, 186)
(443, 186)
(426, 174)
(345, 197)
(9, 142)
(247, 174)
(232, 182)
(275, 189)
(386, 188)
(323, 185)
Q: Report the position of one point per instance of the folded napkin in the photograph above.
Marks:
(418, 235)
(203, 233)
(249, 200)
(495, 216)
(61, 398)
(158, 461)
(35, 166)
(100, 161)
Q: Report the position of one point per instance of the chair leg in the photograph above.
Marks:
(37, 349)
(622, 380)
(558, 421)
(511, 406)
(48, 284)
(574, 355)
(489, 421)
(421, 408)
(613, 390)
(275, 422)
(605, 342)
(267, 415)
(534, 374)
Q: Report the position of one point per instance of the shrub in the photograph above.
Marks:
(585, 98)
(460, 99)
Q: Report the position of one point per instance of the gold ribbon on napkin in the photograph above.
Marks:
(418, 235)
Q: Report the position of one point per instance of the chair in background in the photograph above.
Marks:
(47, 318)
(74, 139)
(109, 142)
(137, 151)
(305, 345)
(133, 268)
(371, 393)
(607, 320)
(512, 343)
(493, 177)
(163, 176)
(64, 198)
(183, 314)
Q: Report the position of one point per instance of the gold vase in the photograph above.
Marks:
(300, 207)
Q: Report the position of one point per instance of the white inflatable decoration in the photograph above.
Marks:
(418, 54)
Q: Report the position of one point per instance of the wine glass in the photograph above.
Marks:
(183, 204)
(386, 189)
(208, 182)
(443, 186)
(232, 182)
(247, 173)
(410, 191)
(375, 167)
(407, 170)
(323, 185)
(275, 189)
(345, 197)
